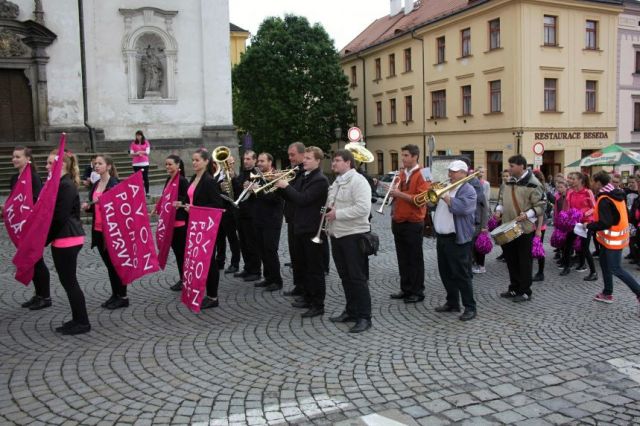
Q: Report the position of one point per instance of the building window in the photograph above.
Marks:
(354, 113)
(494, 168)
(550, 28)
(394, 161)
(638, 62)
(392, 110)
(440, 49)
(380, 161)
(591, 96)
(439, 104)
(494, 34)
(636, 117)
(550, 94)
(379, 112)
(465, 36)
(378, 69)
(495, 96)
(408, 108)
(407, 60)
(591, 35)
(471, 156)
(354, 77)
(466, 100)
(392, 65)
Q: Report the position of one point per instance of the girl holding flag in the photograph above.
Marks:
(67, 237)
(105, 167)
(23, 161)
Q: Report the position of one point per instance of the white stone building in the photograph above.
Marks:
(100, 70)
(629, 74)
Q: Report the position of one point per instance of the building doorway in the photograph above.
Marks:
(550, 164)
(494, 168)
(16, 107)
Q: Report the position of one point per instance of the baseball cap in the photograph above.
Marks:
(457, 165)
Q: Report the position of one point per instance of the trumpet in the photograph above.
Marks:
(276, 176)
(387, 200)
(242, 197)
(433, 195)
(323, 224)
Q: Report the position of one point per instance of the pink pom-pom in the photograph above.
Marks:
(558, 238)
(537, 249)
(483, 243)
(493, 223)
(576, 216)
(562, 221)
(577, 244)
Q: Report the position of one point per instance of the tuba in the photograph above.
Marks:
(433, 195)
(360, 153)
(221, 156)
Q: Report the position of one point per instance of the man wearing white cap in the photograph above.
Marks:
(454, 222)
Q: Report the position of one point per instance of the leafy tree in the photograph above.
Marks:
(289, 86)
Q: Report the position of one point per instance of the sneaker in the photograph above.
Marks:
(581, 268)
(604, 298)
(508, 294)
(521, 298)
(481, 270)
(474, 270)
(120, 302)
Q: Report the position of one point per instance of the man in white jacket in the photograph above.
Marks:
(350, 202)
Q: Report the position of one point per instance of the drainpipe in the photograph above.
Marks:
(83, 70)
(364, 93)
(422, 82)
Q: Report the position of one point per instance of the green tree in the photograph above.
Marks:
(289, 86)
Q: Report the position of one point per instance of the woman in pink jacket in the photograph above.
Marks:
(139, 151)
(580, 197)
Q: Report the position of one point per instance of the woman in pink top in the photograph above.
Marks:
(580, 197)
(139, 151)
(105, 167)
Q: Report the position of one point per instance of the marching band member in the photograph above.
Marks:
(406, 225)
(347, 220)
(21, 159)
(309, 196)
(454, 222)
(246, 230)
(228, 229)
(295, 152)
(67, 238)
(108, 179)
(521, 200)
(203, 192)
(267, 220)
(174, 166)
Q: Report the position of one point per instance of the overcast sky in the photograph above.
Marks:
(342, 19)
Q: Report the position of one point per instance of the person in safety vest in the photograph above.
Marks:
(611, 227)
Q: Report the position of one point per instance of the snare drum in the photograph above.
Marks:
(507, 232)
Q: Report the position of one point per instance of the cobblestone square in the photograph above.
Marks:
(254, 361)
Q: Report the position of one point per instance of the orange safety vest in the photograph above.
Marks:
(616, 237)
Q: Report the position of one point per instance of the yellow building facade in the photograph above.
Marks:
(238, 44)
(488, 79)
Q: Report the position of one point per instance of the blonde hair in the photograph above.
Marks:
(70, 165)
(317, 152)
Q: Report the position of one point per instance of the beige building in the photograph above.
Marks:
(238, 43)
(488, 79)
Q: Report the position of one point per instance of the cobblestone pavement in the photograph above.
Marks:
(560, 358)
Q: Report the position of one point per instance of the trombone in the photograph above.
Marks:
(386, 201)
(433, 194)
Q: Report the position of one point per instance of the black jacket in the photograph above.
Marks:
(36, 184)
(247, 207)
(183, 197)
(267, 210)
(113, 181)
(289, 207)
(309, 196)
(607, 213)
(206, 193)
(66, 215)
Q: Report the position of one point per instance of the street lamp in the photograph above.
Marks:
(518, 135)
(338, 133)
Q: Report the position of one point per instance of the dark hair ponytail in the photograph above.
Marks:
(29, 155)
(206, 156)
(178, 161)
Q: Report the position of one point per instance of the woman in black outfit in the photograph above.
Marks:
(108, 179)
(175, 166)
(22, 159)
(67, 237)
(203, 192)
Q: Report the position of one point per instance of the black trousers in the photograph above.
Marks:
(517, 253)
(65, 261)
(248, 245)
(213, 278)
(298, 274)
(541, 260)
(117, 288)
(268, 240)
(228, 231)
(454, 266)
(352, 267)
(145, 176)
(311, 264)
(584, 254)
(408, 239)
(41, 279)
(178, 244)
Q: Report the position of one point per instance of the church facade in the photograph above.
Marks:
(102, 70)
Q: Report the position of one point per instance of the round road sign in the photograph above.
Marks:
(538, 148)
(354, 134)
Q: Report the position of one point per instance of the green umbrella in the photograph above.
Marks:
(612, 155)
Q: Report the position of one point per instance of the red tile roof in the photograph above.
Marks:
(388, 27)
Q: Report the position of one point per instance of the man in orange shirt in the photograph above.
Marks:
(407, 223)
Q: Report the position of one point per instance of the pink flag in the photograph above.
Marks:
(201, 242)
(126, 229)
(36, 228)
(19, 205)
(166, 219)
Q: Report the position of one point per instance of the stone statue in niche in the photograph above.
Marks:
(152, 72)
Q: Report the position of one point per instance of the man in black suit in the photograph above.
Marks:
(295, 152)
